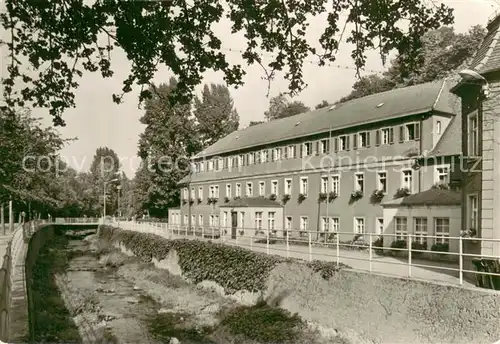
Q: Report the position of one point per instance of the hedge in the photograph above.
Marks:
(234, 268)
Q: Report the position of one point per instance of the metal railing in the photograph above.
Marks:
(77, 220)
(437, 258)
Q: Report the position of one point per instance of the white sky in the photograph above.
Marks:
(97, 121)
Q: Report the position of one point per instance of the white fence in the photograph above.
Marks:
(407, 257)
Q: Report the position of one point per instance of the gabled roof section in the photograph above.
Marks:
(434, 196)
(450, 143)
(392, 104)
(487, 57)
(251, 202)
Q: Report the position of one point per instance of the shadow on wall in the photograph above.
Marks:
(374, 309)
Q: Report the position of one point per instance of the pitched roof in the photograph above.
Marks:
(487, 57)
(374, 108)
(249, 202)
(432, 196)
(451, 140)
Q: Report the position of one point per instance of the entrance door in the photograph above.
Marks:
(234, 224)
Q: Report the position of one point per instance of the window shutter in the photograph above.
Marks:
(317, 148)
(368, 142)
(347, 137)
(294, 151)
(355, 141)
(285, 152)
(391, 135)
(401, 134)
(377, 138)
(336, 144)
(301, 153)
(417, 131)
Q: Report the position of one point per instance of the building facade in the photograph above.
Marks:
(329, 169)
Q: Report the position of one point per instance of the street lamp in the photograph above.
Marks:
(104, 194)
(471, 76)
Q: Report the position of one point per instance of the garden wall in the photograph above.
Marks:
(373, 309)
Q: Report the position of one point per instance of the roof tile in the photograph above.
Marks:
(429, 197)
(249, 202)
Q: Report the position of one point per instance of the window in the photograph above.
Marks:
(251, 158)
(263, 157)
(258, 220)
(335, 224)
(276, 154)
(242, 219)
(385, 136)
(216, 191)
(473, 135)
(304, 223)
(359, 225)
(262, 188)
(228, 190)
(421, 230)
(200, 192)
(401, 229)
(303, 185)
(291, 152)
(325, 224)
(220, 163)
(230, 162)
(324, 184)
(442, 229)
(185, 220)
(288, 223)
(382, 181)
(274, 187)
(363, 140)
(224, 219)
(212, 191)
(193, 220)
(202, 166)
(270, 220)
(379, 225)
(216, 221)
(241, 160)
(342, 143)
(238, 190)
(185, 193)
(325, 146)
(210, 165)
(407, 181)
(442, 175)
(307, 149)
(438, 127)
(336, 184)
(359, 182)
(409, 132)
(193, 193)
(472, 211)
(249, 191)
(288, 186)
(200, 220)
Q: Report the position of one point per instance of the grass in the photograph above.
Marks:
(52, 320)
(264, 324)
(164, 326)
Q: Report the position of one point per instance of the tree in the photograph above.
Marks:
(321, 105)
(280, 107)
(63, 39)
(443, 53)
(168, 141)
(252, 123)
(215, 114)
(105, 176)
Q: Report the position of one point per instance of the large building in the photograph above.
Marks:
(332, 168)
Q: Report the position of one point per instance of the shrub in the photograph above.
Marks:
(272, 197)
(399, 244)
(325, 269)
(440, 247)
(402, 192)
(377, 196)
(232, 267)
(301, 197)
(322, 196)
(331, 196)
(264, 324)
(285, 198)
(355, 196)
(379, 243)
(418, 246)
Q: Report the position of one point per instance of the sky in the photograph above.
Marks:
(97, 121)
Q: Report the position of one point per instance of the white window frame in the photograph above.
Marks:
(185, 193)
(406, 131)
(249, 189)
(238, 190)
(217, 191)
(362, 144)
(304, 223)
(275, 187)
(342, 141)
(262, 188)
(379, 221)
(421, 231)
(307, 149)
(202, 166)
(304, 186)
(336, 184)
(264, 155)
(325, 146)
(438, 127)
(200, 220)
(193, 193)
(258, 220)
(473, 135)
(288, 191)
(404, 182)
(212, 191)
(224, 219)
(385, 136)
(325, 224)
(210, 165)
(324, 184)
(271, 220)
(186, 220)
(242, 219)
(379, 183)
(241, 159)
(251, 158)
(229, 191)
(193, 220)
(440, 171)
(357, 180)
(289, 223)
(291, 151)
(335, 223)
(442, 237)
(356, 227)
(400, 231)
(473, 212)
(200, 192)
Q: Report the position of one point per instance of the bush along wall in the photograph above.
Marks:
(233, 268)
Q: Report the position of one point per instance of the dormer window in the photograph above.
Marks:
(409, 132)
(473, 135)
(362, 140)
(306, 149)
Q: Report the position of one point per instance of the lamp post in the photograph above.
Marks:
(104, 194)
(119, 188)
